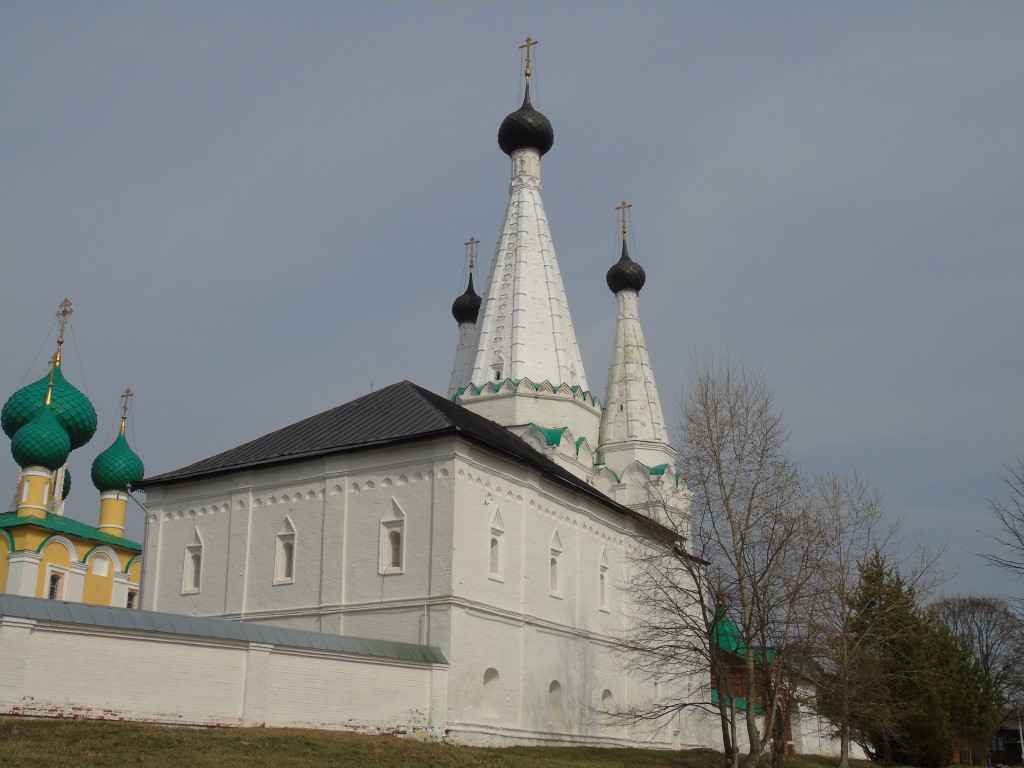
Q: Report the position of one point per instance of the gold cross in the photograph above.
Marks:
(63, 313)
(124, 411)
(470, 243)
(530, 42)
(623, 206)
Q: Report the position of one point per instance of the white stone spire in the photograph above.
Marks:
(632, 423)
(524, 330)
(526, 365)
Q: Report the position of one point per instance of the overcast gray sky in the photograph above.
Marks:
(258, 210)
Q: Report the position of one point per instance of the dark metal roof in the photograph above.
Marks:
(625, 273)
(526, 127)
(173, 624)
(467, 306)
(399, 413)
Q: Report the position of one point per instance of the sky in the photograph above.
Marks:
(258, 210)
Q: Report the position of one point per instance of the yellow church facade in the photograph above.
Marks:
(43, 553)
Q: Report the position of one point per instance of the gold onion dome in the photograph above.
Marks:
(42, 442)
(71, 408)
(117, 467)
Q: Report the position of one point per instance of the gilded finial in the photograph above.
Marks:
(54, 362)
(124, 410)
(623, 207)
(530, 42)
(63, 312)
(471, 245)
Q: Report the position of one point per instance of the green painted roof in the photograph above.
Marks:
(553, 436)
(59, 524)
(42, 442)
(73, 409)
(117, 467)
(727, 636)
(658, 470)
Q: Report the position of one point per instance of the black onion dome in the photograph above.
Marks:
(625, 274)
(526, 127)
(466, 308)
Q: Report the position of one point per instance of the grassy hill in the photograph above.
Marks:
(40, 743)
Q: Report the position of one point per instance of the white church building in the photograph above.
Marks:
(449, 566)
(489, 525)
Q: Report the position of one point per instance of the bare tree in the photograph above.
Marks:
(742, 562)
(1009, 511)
(995, 634)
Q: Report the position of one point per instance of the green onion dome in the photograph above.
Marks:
(42, 442)
(73, 410)
(66, 488)
(117, 467)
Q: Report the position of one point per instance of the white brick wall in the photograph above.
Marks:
(100, 672)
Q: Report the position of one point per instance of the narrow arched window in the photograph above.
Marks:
(284, 561)
(556, 553)
(602, 583)
(555, 716)
(492, 693)
(395, 539)
(392, 543)
(54, 591)
(197, 570)
(192, 576)
(288, 559)
(494, 568)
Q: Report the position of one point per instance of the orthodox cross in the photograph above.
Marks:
(64, 311)
(470, 243)
(623, 206)
(126, 395)
(530, 42)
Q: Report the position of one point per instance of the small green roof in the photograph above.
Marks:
(658, 470)
(60, 524)
(727, 637)
(116, 468)
(73, 409)
(553, 436)
(41, 442)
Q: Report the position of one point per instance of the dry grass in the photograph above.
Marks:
(40, 743)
